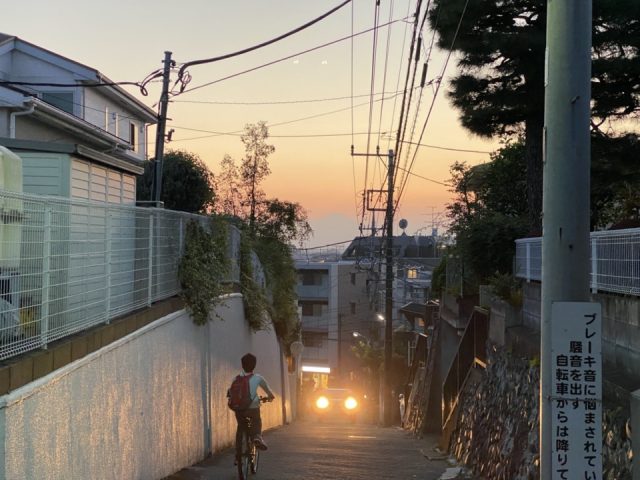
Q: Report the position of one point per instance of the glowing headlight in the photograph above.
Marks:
(322, 403)
(350, 403)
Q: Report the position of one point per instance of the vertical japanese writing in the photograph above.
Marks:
(576, 391)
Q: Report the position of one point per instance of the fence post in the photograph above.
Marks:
(594, 264)
(528, 260)
(181, 239)
(150, 279)
(107, 261)
(46, 277)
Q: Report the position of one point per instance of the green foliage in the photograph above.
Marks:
(487, 242)
(439, 277)
(282, 220)
(499, 87)
(489, 211)
(255, 166)
(267, 226)
(187, 183)
(254, 297)
(203, 268)
(280, 271)
(370, 356)
(507, 287)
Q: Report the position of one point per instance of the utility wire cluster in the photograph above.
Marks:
(409, 97)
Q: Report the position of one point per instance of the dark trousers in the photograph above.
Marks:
(255, 428)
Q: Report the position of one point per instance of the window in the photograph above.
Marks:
(61, 100)
(311, 278)
(313, 339)
(352, 306)
(353, 279)
(132, 135)
(412, 273)
(312, 309)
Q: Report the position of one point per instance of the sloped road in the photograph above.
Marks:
(330, 451)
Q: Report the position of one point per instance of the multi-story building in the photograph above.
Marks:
(334, 302)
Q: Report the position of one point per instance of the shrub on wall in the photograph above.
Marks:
(203, 268)
(254, 296)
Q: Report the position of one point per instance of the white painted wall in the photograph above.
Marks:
(138, 408)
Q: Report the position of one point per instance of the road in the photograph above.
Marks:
(330, 451)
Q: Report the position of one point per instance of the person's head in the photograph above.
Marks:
(249, 362)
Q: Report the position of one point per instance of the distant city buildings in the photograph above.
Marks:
(340, 294)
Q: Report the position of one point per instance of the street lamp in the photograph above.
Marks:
(359, 335)
(380, 317)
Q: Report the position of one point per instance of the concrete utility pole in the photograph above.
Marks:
(388, 308)
(387, 401)
(160, 132)
(566, 187)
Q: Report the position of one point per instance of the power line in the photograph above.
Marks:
(261, 45)
(287, 122)
(433, 101)
(451, 149)
(288, 57)
(424, 178)
(282, 102)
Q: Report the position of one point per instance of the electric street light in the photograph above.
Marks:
(359, 335)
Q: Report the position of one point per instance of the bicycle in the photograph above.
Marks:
(250, 455)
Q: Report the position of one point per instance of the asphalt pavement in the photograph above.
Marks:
(333, 451)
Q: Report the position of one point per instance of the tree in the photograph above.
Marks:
(255, 166)
(282, 220)
(228, 194)
(500, 88)
(187, 183)
(489, 210)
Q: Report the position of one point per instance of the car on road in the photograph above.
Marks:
(336, 403)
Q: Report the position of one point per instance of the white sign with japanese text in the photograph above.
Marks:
(576, 391)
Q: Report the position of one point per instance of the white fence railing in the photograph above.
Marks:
(615, 260)
(67, 265)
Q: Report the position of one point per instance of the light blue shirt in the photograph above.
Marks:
(256, 381)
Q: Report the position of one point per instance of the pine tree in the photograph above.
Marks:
(499, 89)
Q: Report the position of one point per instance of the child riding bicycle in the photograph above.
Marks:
(244, 401)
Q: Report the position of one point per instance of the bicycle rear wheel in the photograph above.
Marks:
(245, 457)
(254, 460)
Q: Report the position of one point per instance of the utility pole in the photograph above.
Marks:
(160, 131)
(388, 307)
(566, 187)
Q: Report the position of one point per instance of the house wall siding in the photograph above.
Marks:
(45, 173)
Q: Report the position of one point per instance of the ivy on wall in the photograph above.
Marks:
(205, 265)
(204, 268)
(254, 296)
(281, 274)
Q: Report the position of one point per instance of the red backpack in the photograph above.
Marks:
(239, 394)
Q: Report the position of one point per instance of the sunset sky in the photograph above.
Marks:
(126, 40)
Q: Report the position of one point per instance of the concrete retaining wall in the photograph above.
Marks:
(620, 326)
(141, 408)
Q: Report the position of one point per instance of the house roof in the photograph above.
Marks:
(90, 74)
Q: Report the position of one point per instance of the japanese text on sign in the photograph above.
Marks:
(576, 391)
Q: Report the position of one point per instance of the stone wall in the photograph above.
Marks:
(497, 433)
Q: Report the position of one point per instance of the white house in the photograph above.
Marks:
(78, 142)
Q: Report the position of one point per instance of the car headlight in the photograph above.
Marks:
(322, 403)
(350, 403)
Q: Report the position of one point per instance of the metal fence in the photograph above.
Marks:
(615, 260)
(67, 265)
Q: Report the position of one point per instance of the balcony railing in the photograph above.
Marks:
(67, 265)
(615, 260)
